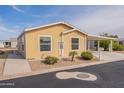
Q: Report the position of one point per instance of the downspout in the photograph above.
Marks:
(61, 44)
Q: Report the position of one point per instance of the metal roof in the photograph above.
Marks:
(97, 37)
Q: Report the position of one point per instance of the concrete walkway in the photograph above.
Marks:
(15, 64)
(109, 56)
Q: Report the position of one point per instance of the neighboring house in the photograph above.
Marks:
(5, 43)
(57, 39)
(121, 41)
(1, 44)
(12, 43)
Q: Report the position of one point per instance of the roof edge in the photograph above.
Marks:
(103, 37)
(52, 24)
(37, 27)
(68, 31)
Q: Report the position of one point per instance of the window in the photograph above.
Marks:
(45, 43)
(75, 43)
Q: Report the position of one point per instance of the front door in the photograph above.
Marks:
(60, 47)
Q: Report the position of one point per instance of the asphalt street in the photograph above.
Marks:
(110, 75)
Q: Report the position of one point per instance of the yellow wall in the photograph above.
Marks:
(67, 42)
(32, 41)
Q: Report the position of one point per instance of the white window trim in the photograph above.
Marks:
(39, 43)
(71, 43)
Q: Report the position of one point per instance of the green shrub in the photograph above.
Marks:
(117, 47)
(87, 55)
(105, 44)
(1, 52)
(51, 60)
(72, 54)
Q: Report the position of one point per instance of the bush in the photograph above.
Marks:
(50, 60)
(117, 47)
(1, 52)
(87, 55)
(72, 54)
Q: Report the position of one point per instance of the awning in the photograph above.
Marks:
(96, 37)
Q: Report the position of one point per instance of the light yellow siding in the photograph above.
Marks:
(32, 41)
(67, 42)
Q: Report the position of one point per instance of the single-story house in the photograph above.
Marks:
(56, 39)
(1, 44)
(11, 43)
(5, 43)
(120, 41)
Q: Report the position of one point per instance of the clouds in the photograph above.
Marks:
(92, 19)
(6, 29)
(7, 32)
(17, 9)
(105, 19)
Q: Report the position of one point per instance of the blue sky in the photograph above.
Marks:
(91, 19)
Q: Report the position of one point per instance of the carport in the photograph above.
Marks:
(94, 38)
(97, 52)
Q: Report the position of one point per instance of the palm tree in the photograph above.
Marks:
(72, 54)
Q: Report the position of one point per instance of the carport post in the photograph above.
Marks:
(99, 49)
(98, 45)
(111, 47)
(88, 45)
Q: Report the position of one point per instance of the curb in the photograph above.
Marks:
(20, 75)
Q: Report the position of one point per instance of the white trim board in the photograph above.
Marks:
(72, 30)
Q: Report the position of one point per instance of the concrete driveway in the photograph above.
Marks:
(109, 56)
(16, 64)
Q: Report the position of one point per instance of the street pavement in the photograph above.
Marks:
(109, 75)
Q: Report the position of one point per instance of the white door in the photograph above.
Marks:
(60, 47)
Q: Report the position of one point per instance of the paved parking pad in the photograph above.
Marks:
(108, 56)
(15, 64)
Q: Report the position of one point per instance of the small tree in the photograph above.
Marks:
(72, 54)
